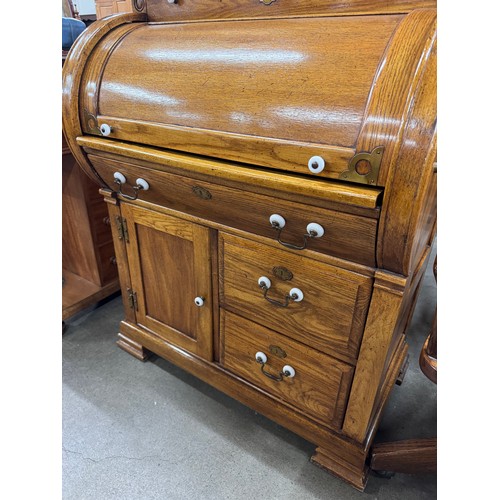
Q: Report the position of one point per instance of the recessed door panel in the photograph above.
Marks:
(170, 272)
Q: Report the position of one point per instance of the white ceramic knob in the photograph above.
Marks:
(120, 177)
(278, 220)
(263, 280)
(316, 228)
(316, 164)
(298, 293)
(288, 371)
(142, 183)
(105, 129)
(261, 357)
(199, 301)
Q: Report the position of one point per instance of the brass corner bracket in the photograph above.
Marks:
(364, 166)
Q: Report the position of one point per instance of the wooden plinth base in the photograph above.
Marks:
(355, 476)
(335, 453)
(132, 347)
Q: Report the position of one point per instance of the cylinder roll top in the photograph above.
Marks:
(297, 94)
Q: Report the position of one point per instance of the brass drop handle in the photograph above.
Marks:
(294, 294)
(120, 179)
(287, 371)
(313, 230)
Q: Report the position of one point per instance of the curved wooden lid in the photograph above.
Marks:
(270, 92)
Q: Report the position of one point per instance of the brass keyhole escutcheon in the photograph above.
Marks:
(363, 167)
(277, 351)
(202, 193)
(282, 273)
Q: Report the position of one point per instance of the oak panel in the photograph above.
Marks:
(188, 10)
(288, 79)
(320, 384)
(346, 236)
(332, 314)
(326, 193)
(169, 261)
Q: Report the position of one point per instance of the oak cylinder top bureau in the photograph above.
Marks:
(268, 168)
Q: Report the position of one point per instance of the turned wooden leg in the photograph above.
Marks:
(354, 474)
(132, 347)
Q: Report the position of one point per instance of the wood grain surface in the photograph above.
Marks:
(188, 10)
(273, 118)
(219, 106)
(320, 385)
(169, 262)
(73, 69)
(332, 314)
(327, 193)
(346, 236)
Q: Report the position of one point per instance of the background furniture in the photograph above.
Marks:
(89, 268)
(105, 8)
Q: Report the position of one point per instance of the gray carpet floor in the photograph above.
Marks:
(147, 431)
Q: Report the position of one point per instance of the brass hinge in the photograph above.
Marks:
(132, 299)
(121, 225)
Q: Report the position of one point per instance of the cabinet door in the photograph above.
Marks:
(170, 272)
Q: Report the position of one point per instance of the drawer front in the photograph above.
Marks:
(347, 236)
(319, 386)
(331, 315)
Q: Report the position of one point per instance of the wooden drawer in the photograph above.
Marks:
(330, 317)
(319, 386)
(346, 235)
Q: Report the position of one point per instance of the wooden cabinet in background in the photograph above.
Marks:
(105, 8)
(88, 261)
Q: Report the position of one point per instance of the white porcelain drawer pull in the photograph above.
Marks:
(313, 230)
(295, 294)
(316, 164)
(105, 129)
(199, 301)
(140, 184)
(119, 178)
(277, 221)
(287, 371)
